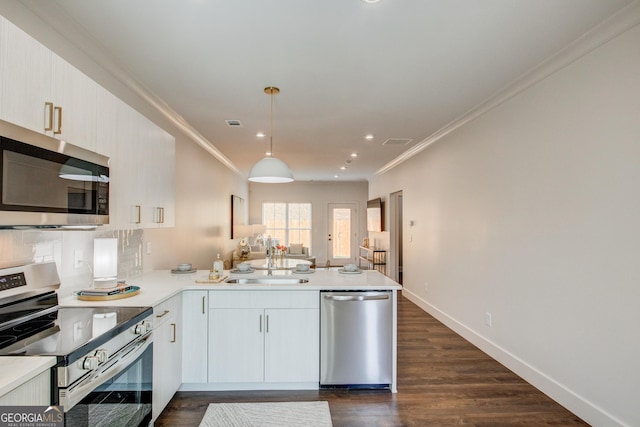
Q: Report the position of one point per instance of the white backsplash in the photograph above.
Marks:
(19, 247)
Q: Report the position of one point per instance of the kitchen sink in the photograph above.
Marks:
(268, 281)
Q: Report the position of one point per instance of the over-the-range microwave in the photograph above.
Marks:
(49, 183)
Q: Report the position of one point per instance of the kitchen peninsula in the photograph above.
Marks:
(232, 336)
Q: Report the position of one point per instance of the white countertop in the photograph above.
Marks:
(159, 285)
(17, 370)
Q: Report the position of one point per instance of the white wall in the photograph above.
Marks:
(319, 194)
(531, 212)
(203, 212)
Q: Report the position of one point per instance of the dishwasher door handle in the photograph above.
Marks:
(355, 297)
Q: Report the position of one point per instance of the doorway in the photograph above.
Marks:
(395, 236)
(343, 233)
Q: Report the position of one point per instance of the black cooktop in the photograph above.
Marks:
(68, 332)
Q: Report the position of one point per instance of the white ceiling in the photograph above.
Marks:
(395, 69)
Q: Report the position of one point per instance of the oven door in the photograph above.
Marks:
(118, 394)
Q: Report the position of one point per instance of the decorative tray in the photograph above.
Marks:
(135, 290)
(205, 279)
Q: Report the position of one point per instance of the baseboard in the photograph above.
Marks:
(575, 403)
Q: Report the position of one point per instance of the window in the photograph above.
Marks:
(288, 222)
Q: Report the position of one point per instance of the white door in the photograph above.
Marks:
(342, 239)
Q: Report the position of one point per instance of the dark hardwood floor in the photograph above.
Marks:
(442, 380)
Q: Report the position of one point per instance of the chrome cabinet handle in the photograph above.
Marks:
(173, 326)
(267, 323)
(139, 213)
(260, 326)
(203, 304)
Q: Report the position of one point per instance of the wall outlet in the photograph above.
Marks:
(488, 319)
(78, 259)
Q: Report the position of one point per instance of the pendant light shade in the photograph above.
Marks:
(269, 169)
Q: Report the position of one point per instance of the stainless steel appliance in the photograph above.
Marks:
(356, 339)
(103, 374)
(45, 182)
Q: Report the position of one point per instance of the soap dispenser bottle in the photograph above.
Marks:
(218, 267)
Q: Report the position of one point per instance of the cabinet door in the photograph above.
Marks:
(167, 353)
(25, 77)
(292, 345)
(194, 336)
(76, 96)
(161, 366)
(236, 345)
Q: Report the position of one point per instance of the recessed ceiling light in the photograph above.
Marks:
(370, 1)
(354, 154)
(336, 176)
(343, 168)
(260, 134)
(368, 137)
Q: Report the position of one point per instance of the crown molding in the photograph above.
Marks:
(620, 22)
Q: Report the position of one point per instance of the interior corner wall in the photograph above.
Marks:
(531, 213)
(203, 212)
(319, 194)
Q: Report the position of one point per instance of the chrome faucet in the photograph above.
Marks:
(269, 255)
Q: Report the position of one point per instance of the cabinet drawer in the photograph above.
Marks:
(264, 299)
(165, 310)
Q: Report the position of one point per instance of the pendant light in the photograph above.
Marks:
(270, 169)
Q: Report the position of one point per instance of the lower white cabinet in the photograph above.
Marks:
(35, 392)
(194, 345)
(263, 337)
(167, 352)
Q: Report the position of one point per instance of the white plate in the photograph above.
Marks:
(176, 271)
(343, 271)
(309, 271)
(236, 271)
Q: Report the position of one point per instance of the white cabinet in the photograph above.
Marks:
(141, 169)
(34, 392)
(263, 336)
(195, 316)
(167, 352)
(43, 92)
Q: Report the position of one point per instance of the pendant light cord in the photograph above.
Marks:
(271, 126)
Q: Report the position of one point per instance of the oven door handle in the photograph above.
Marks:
(71, 396)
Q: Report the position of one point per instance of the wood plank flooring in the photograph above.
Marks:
(442, 380)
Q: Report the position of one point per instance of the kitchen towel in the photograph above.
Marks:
(268, 414)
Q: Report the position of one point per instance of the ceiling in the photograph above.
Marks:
(396, 69)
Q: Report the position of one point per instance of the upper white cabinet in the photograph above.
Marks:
(43, 92)
(142, 189)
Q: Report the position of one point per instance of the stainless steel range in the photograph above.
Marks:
(103, 374)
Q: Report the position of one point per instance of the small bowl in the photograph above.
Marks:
(184, 267)
(350, 267)
(243, 266)
(302, 267)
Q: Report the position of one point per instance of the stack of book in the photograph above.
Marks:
(103, 292)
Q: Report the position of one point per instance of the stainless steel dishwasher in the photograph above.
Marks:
(356, 338)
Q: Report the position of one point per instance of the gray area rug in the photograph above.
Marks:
(268, 414)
